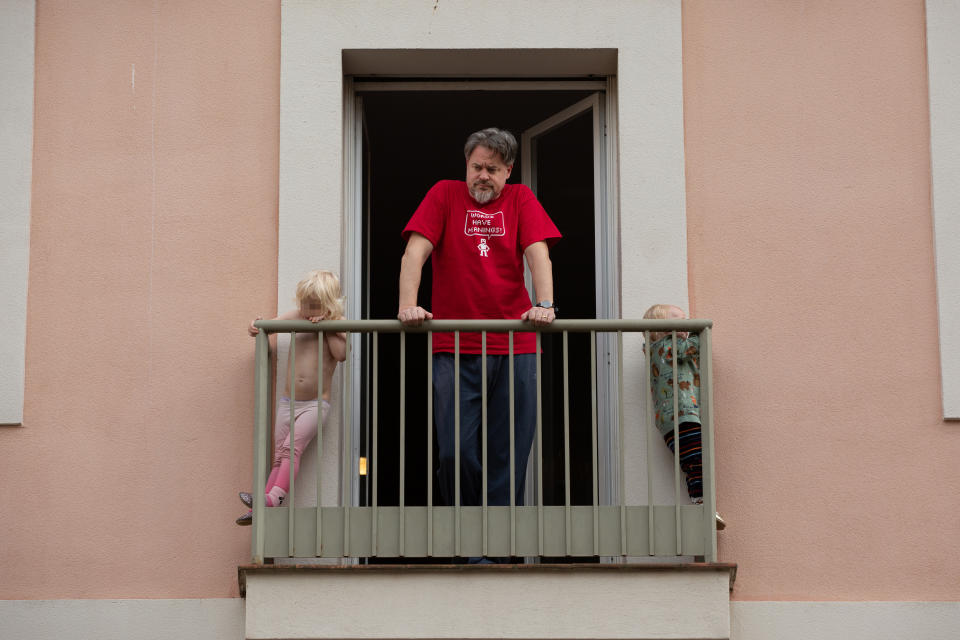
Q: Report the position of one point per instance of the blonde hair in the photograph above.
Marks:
(322, 287)
(660, 312)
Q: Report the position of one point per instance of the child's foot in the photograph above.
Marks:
(275, 497)
(246, 498)
(246, 519)
(721, 523)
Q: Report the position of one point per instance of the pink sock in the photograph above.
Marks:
(275, 497)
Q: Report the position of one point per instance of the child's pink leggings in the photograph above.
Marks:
(304, 430)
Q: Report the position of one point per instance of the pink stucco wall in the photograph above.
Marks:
(153, 242)
(810, 245)
(154, 233)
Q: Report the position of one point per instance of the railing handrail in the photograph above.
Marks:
(377, 530)
(493, 326)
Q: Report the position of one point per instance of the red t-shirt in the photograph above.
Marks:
(478, 259)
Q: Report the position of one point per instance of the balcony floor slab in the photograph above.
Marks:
(521, 601)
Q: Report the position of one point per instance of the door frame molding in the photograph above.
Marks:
(640, 43)
(605, 277)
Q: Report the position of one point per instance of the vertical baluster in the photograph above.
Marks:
(319, 545)
(261, 430)
(483, 428)
(292, 384)
(456, 440)
(650, 426)
(621, 471)
(348, 447)
(430, 443)
(707, 444)
(403, 436)
(513, 471)
(594, 472)
(566, 445)
(375, 517)
(539, 451)
(676, 437)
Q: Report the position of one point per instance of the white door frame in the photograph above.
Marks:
(605, 270)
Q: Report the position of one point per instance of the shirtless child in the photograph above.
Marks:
(318, 298)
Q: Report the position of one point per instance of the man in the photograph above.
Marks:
(478, 232)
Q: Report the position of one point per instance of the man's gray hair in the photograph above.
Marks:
(498, 140)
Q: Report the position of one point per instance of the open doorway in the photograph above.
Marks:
(411, 140)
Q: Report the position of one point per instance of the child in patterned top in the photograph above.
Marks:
(687, 397)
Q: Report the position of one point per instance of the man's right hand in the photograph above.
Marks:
(413, 316)
(252, 330)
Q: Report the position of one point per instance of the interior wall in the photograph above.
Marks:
(416, 139)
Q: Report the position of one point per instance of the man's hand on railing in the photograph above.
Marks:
(413, 316)
(539, 316)
(252, 330)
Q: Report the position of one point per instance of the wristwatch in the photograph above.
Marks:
(548, 304)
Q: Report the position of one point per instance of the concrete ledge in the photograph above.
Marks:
(488, 601)
(114, 619)
(798, 620)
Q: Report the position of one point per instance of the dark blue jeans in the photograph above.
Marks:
(498, 425)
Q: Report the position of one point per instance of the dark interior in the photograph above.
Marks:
(412, 140)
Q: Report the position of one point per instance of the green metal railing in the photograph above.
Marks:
(540, 530)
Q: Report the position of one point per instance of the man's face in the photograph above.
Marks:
(486, 174)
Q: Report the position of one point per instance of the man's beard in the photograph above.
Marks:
(482, 196)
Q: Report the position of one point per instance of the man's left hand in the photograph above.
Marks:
(539, 316)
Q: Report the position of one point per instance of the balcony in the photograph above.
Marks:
(584, 550)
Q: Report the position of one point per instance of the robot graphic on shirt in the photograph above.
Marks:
(484, 225)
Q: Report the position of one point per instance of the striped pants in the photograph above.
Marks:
(690, 457)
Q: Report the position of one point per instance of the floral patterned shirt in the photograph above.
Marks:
(688, 380)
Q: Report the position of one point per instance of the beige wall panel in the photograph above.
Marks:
(16, 139)
(943, 55)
